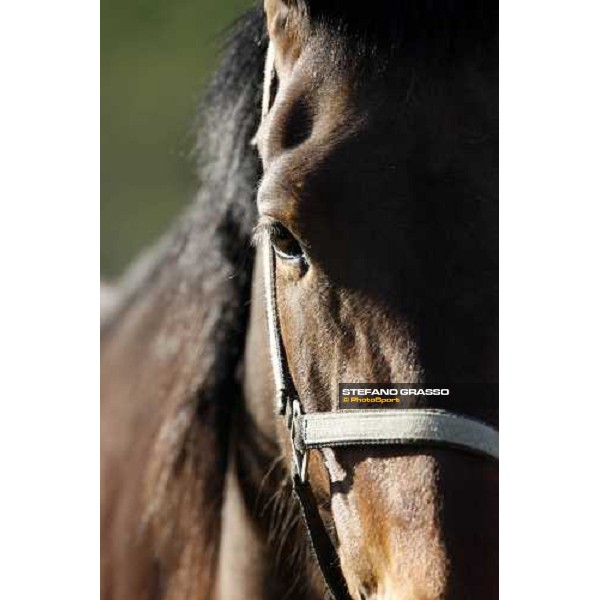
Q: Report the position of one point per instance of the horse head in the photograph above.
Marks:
(378, 197)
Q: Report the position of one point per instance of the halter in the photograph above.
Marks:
(344, 428)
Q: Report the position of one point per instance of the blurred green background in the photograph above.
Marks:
(156, 56)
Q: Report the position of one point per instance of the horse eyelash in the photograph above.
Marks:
(263, 230)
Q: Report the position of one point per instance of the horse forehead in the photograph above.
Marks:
(399, 110)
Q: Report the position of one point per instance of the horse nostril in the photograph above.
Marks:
(298, 125)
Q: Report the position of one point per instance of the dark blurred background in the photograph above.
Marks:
(156, 56)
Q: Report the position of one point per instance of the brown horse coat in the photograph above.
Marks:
(378, 167)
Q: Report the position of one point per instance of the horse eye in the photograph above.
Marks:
(286, 246)
(273, 89)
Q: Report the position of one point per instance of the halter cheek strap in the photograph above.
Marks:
(288, 404)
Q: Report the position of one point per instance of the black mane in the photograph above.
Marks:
(171, 347)
(229, 117)
(218, 224)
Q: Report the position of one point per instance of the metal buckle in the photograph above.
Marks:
(299, 458)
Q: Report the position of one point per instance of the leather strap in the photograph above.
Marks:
(284, 384)
(323, 548)
(289, 406)
(408, 427)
